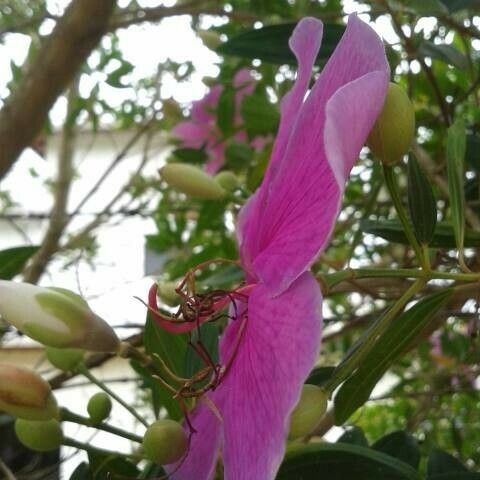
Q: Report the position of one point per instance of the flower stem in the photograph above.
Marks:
(70, 442)
(68, 416)
(402, 214)
(85, 372)
(365, 343)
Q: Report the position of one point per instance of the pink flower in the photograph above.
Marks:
(202, 131)
(269, 351)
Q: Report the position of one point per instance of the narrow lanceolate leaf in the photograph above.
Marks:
(343, 461)
(421, 203)
(456, 145)
(403, 331)
(12, 260)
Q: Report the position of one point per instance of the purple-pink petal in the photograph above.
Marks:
(290, 219)
(203, 110)
(192, 135)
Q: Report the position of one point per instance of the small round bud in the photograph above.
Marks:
(65, 359)
(165, 442)
(25, 394)
(99, 407)
(40, 436)
(166, 292)
(55, 317)
(227, 180)
(394, 130)
(210, 39)
(309, 411)
(191, 181)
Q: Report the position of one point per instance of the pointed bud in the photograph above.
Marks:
(394, 130)
(41, 436)
(166, 292)
(65, 359)
(191, 181)
(227, 180)
(308, 412)
(99, 407)
(165, 442)
(55, 317)
(24, 394)
(210, 39)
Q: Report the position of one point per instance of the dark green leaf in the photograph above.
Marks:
(226, 111)
(320, 375)
(355, 436)
(260, 116)
(103, 466)
(270, 44)
(445, 53)
(342, 462)
(82, 472)
(114, 78)
(209, 337)
(421, 203)
(456, 5)
(425, 7)
(13, 260)
(191, 155)
(400, 445)
(238, 155)
(444, 236)
(472, 154)
(388, 348)
(456, 145)
(440, 462)
(454, 476)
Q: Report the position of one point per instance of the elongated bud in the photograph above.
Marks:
(41, 436)
(191, 181)
(166, 292)
(210, 39)
(309, 411)
(165, 442)
(24, 394)
(394, 130)
(65, 359)
(99, 407)
(55, 317)
(227, 180)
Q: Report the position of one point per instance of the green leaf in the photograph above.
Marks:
(456, 145)
(457, 5)
(237, 156)
(444, 236)
(445, 53)
(455, 476)
(13, 260)
(440, 462)
(270, 44)
(342, 462)
(472, 154)
(421, 203)
(388, 348)
(354, 436)
(226, 111)
(103, 466)
(82, 472)
(260, 116)
(425, 7)
(114, 79)
(191, 155)
(400, 445)
(209, 334)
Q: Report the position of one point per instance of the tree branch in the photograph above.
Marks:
(76, 34)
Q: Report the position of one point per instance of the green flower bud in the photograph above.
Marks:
(99, 407)
(166, 292)
(227, 180)
(308, 412)
(25, 394)
(165, 442)
(394, 130)
(65, 359)
(55, 317)
(210, 39)
(191, 181)
(40, 436)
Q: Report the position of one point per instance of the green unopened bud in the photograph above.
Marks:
(166, 292)
(65, 359)
(99, 407)
(25, 394)
(55, 317)
(192, 181)
(394, 130)
(41, 436)
(165, 442)
(227, 180)
(210, 39)
(309, 411)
